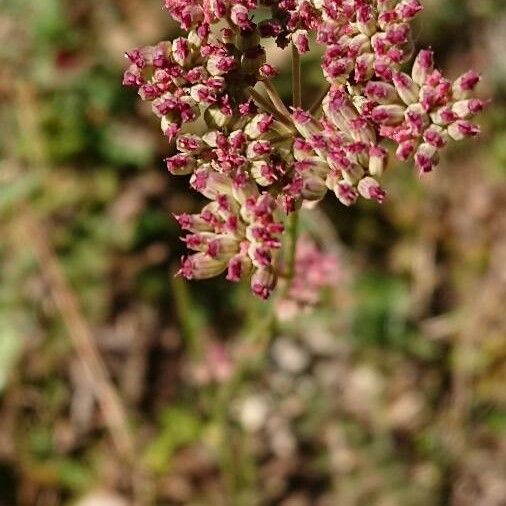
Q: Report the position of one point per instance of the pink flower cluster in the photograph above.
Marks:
(256, 160)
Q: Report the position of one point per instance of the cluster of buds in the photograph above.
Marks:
(239, 231)
(256, 160)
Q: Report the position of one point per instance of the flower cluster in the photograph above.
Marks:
(258, 160)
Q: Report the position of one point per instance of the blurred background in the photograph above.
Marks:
(121, 385)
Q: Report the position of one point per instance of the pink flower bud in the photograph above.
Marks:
(423, 66)
(210, 183)
(408, 9)
(380, 92)
(366, 21)
(263, 282)
(301, 41)
(406, 88)
(364, 67)
(462, 129)
(426, 157)
(346, 193)
(201, 266)
(465, 84)
(180, 164)
(377, 160)
(406, 149)
(239, 16)
(268, 71)
(466, 108)
(388, 114)
(369, 188)
(435, 136)
(239, 267)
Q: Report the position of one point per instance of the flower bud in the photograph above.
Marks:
(462, 129)
(263, 282)
(466, 108)
(300, 41)
(426, 157)
(239, 267)
(423, 66)
(216, 118)
(181, 51)
(381, 92)
(435, 136)
(366, 21)
(210, 183)
(406, 88)
(346, 193)
(377, 160)
(369, 188)
(201, 266)
(408, 9)
(180, 164)
(406, 149)
(313, 188)
(465, 84)
(388, 114)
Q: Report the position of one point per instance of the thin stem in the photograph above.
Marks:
(275, 98)
(292, 225)
(296, 78)
(318, 102)
(261, 101)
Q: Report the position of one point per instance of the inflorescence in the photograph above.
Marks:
(258, 161)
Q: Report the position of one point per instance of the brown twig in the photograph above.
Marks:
(81, 336)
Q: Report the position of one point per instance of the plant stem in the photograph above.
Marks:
(318, 102)
(261, 101)
(296, 79)
(292, 225)
(275, 98)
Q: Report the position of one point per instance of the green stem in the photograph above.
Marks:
(292, 225)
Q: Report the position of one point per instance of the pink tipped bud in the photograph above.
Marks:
(364, 67)
(377, 160)
(263, 283)
(366, 21)
(313, 188)
(201, 266)
(181, 51)
(301, 41)
(381, 92)
(239, 16)
(180, 164)
(426, 158)
(435, 136)
(408, 9)
(239, 267)
(388, 114)
(268, 71)
(258, 125)
(443, 116)
(465, 84)
(210, 183)
(423, 66)
(369, 188)
(466, 108)
(462, 129)
(346, 193)
(406, 149)
(407, 89)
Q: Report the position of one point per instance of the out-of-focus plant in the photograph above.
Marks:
(257, 160)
